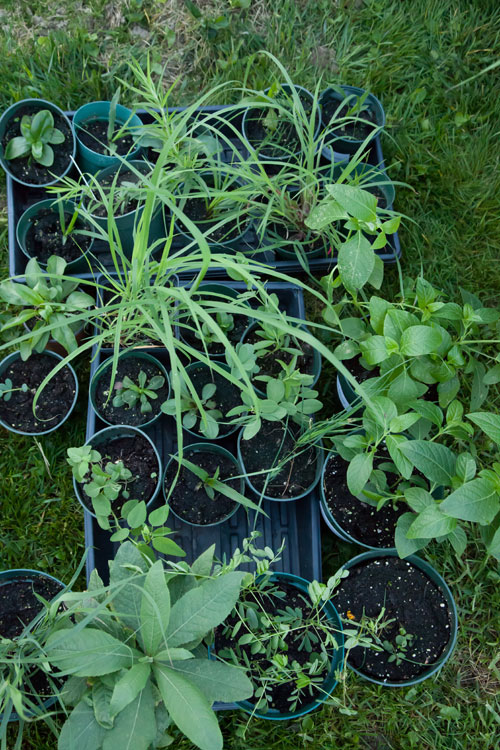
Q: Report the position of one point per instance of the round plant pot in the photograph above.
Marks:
(8, 577)
(14, 357)
(90, 160)
(207, 290)
(336, 665)
(348, 145)
(296, 496)
(134, 354)
(126, 223)
(190, 369)
(205, 448)
(107, 435)
(248, 119)
(16, 110)
(316, 356)
(236, 241)
(79, 265)
(432, 574)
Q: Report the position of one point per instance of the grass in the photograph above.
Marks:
(442, 141)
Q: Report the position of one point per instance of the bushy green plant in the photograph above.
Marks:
(38, 135)
(196, 408)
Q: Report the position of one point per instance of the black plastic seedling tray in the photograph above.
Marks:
(297, 523)
(19, 198)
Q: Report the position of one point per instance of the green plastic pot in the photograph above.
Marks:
(236, 242)
(89, 160)
(199, 435)
(439, 581)
(349, 145)
(204, 448)
(316, 372)
(221, 289)
(7, 116)
(6, 576)
(284, 156)
(336, 666)
(106, 365)
(319, 469)
(126, 223)
(79, 265)
(107, 435)
(5, 363)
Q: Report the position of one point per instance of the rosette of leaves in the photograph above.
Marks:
(196, 408)
(38, 135)
(134, 656)
(51, 303)
(129, 393)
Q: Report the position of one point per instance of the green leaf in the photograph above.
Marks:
(203, 608)
(404, 389)
(357, 202)
(203, 564)
(492, 376)
(159, 516)
(188, 708)
(217, 681)
(494, 545)
(134, 727)
(55, 137)
(405, 546)
(356, 261)
(397, 321)
(275, 390)
(324, 214)
(488, 423)
(383, 411)
(155, 609)
(428, 410)
(377, 275)
(435, 461)
(418, 499)
(46, 158)
(466, 467)
(87, 653)
(101, 695)
(403, 465)
(17, 148)
(40, 122)
(167, 547)
(81, 730)
(431, 523)
(128, 687)
(403, 422)
(458, 540)
(378, 308)
(475, 501)
(419, 340)
(358, 472)
(137, 515)
(127, 599)
(374, 350)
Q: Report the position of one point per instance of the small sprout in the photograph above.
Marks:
(6, 389)
(130, 393)
(37, 133)
(208, 416)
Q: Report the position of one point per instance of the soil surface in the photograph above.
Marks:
(273, 443)
(226, 397)
(196, 209)
(94, 135)
(18, 607)
(189, 499)
(411, 600)
(214, 347)
(26, 168)
(138, 457)
(275, 602)
(359, 519)
(356, 129)
(269, 363)
(281, 143)
(45, 238)
(133, 416)
(53, 403)
(121, 207)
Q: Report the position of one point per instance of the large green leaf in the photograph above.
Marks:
(217, 681)
(419, 340)
(188, 708)
(155, 609)
(324, 214)
(357, 202)
(374, 349)
(81, 730)
(431, 523)
(126, 569)
(488, 423)
(405, 546)
(88, 652)
(358, 472)
(129, 686)
(435, 461)
(356, 261)
(203, 608)
(134, 727)
(474, 501)
(403, 465)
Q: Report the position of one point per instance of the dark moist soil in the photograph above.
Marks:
(138, 457)
(53, 403)
(269, 363)
(357, 370)
(355, 129)
(130, 205)
(26, 168)
(273, 605)
(195, 209)
(410, 597)
(293, 234)
(45, 238)
(18, 607)
(273, 442)
(278, 144)
(226, 397)
(362, 521)
(189, 499)
(123, 414)
(214, 347)
(94, 135)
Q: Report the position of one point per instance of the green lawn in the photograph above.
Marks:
(442, 141)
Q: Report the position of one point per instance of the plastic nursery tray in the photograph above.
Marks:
(19, 198)
(298, 523)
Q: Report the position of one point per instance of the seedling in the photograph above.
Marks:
(398, 650)
(6, 389)
(224, 320)
(38, 135)
(130, 393)
(203, 408)
(66, 230)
